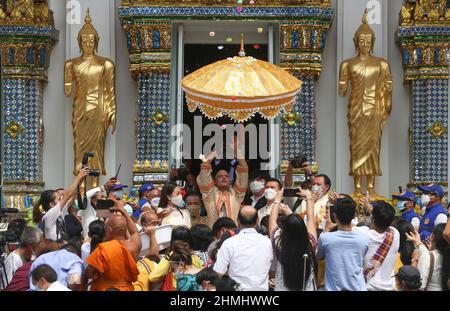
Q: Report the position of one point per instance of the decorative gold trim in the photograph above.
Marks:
(23, 182)
(425, 183)
(159, 117)
(291, 118)
(14, 129)
(148, 167)
(437, 129)
(262, 3)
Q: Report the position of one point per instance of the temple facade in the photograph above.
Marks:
(154, 44)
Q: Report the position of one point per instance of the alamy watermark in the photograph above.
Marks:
(229, 141)
(374, 12)
(73, 12)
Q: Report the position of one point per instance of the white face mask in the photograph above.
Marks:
(177, 200)
(270, 194)
(155, 202)
(256, 186)
(317, 189)
(425, 199)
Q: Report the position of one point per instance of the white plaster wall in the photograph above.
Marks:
(126, 95)
(55, 106)
(332, 144)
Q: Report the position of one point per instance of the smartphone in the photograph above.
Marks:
(332, 211)
(105, 204)
(290, 192)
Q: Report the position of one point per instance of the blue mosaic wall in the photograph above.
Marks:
(429, 154)
(152, 140)
(300, 138)
(23, 105)
(286, 12)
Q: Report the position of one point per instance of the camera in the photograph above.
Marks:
(304, 177)
(182, 172)
(84, 162)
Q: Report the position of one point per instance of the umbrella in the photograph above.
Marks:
(239, 87)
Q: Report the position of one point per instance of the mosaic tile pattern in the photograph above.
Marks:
(429, 154)
(287, 12)
(300, 138)
(28, 30)
(152, 140)
(423, 30)
(22, 104)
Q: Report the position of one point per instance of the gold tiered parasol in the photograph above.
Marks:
(240, 87)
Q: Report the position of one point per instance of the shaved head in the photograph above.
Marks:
(248, 217)
(116, 226)
(150, 218)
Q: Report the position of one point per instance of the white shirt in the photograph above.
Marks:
(57, 287)
(12, 262)
(89, 214)
(415, 222)
(178, 217)
(319, 210)
(263, 212)
(255, 199)
(247, 257)
(424, 267)
(440, 219)
(383, 279)
(50, 219)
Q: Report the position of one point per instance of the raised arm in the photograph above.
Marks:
(68, 78)
(134, 244)
(110, 98)
(343, 79)
(71, 190)
(154, 247)
(241, 183)
(204, 179)
(273, 218)
(310, 199)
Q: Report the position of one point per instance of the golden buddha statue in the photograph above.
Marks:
(94, 106)
(369, 106)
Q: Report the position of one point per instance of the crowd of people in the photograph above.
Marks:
(230, 234)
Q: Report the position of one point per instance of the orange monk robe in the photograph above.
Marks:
(116, 266)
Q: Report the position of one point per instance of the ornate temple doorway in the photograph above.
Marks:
(199, 43)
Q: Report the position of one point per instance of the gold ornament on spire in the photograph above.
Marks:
(242, 51)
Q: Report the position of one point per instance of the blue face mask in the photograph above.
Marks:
(401, 205)
(118, 194)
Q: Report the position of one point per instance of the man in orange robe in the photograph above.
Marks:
(113, 263)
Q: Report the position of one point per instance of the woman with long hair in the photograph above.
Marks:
(162, 273)
(202, 237)
(182, 267)
(406, 247)
(294, 244)
(96, 233)
(432, 263)
(171, 207)
(47, 200)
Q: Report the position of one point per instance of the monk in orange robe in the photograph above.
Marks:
(113, 263)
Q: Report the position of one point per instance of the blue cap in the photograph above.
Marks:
(118, 187)
(146, 187)
(432, 188)
(406, 195)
